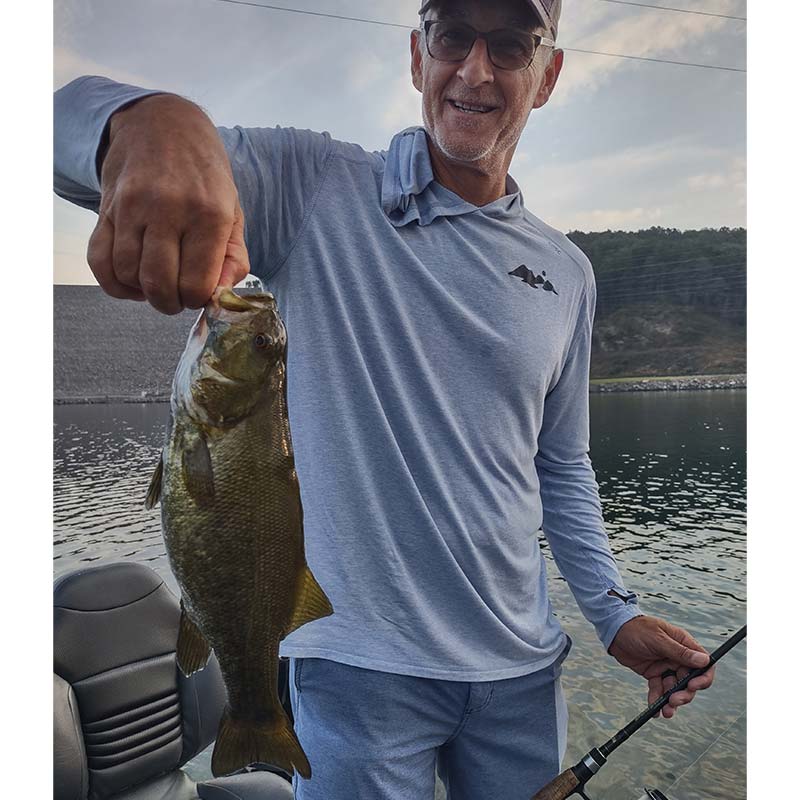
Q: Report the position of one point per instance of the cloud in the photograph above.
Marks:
(734, 178)
(602, 219)
(68, 65)
(402, 106)
(617, 29)
(632, 187)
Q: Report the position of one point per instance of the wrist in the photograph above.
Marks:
(145, 109)
(160, 121)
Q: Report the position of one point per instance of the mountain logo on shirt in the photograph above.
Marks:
(533, 280)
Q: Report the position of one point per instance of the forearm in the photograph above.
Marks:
(573, 526)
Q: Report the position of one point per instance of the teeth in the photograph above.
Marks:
(464, 107)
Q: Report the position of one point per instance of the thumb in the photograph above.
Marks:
(236, 264)
(676, 649)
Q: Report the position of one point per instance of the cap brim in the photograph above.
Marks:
(536, 6)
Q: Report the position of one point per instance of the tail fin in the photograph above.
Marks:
(241, 742)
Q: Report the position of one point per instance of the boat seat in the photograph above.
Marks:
(125, 718)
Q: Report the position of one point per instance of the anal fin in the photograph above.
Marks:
(193, 651)
(311, 603)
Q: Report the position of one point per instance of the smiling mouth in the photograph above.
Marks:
(471, 108)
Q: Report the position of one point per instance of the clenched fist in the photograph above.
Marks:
(170, 226)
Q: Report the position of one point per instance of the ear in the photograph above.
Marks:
(416, 59)
(551, 73)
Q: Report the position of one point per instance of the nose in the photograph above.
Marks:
(477, 67)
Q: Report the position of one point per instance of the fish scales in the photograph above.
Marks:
(232, 522)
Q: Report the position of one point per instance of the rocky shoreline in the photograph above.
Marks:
(678, 384)
(682, 383)
(145, 397)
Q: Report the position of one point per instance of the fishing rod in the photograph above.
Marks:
(573, 780)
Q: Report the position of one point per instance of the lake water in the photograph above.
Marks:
(671, 469)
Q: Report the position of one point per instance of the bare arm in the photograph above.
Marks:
(170, 226)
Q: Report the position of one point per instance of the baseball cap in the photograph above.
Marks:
(548, 11)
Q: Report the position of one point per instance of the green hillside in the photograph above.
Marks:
(669, 302)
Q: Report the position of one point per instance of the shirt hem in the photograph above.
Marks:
(414, 670)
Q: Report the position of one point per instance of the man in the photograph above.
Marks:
(438, 390)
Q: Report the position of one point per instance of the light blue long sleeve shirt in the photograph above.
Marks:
(438, 369)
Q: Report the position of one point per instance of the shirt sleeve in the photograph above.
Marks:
(81, 111)
(278, 171)
(572, 515)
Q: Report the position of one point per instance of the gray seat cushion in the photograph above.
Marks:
(247, 786)
(114, 637)
(125, 718)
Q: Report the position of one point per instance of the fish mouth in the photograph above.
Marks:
(227, 306)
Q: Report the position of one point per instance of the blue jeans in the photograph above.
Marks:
(373, 735)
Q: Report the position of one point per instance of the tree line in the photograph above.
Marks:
(705, 269)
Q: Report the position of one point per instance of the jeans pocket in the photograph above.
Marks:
(297, 673)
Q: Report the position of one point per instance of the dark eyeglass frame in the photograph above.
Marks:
(538, 41)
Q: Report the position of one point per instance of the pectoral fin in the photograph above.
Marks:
(198, 473)
(154, 491)
(312, 603)
(193, 651)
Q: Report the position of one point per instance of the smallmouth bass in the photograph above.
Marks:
(233, 523)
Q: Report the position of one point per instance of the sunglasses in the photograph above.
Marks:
(509, 49)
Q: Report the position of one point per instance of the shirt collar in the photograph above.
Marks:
(410, 191)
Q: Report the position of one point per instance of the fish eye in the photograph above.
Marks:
(261, 341)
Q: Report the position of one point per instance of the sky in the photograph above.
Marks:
(621, 145)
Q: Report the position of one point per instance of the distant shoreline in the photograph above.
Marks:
(680, 383)
(106, 399)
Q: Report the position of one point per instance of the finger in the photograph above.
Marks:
(202, 255)
(655, 689)
(658, 668)
(236, 264)
(127, 252)
(703, 681)
(99, 256)
(158, 271)
(681, 698)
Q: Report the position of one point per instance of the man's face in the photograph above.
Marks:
(484, 138)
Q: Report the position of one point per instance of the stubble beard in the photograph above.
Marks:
(468, 151)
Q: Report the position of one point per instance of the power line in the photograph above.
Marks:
(664, 281)
(644, 58)
(607, 305)
(665, 277)
(412, 27)
(672, 273)
(678, 10)
(639, 255)
(740, 282)
(317, 14)
(646, 266)
(737, 283)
